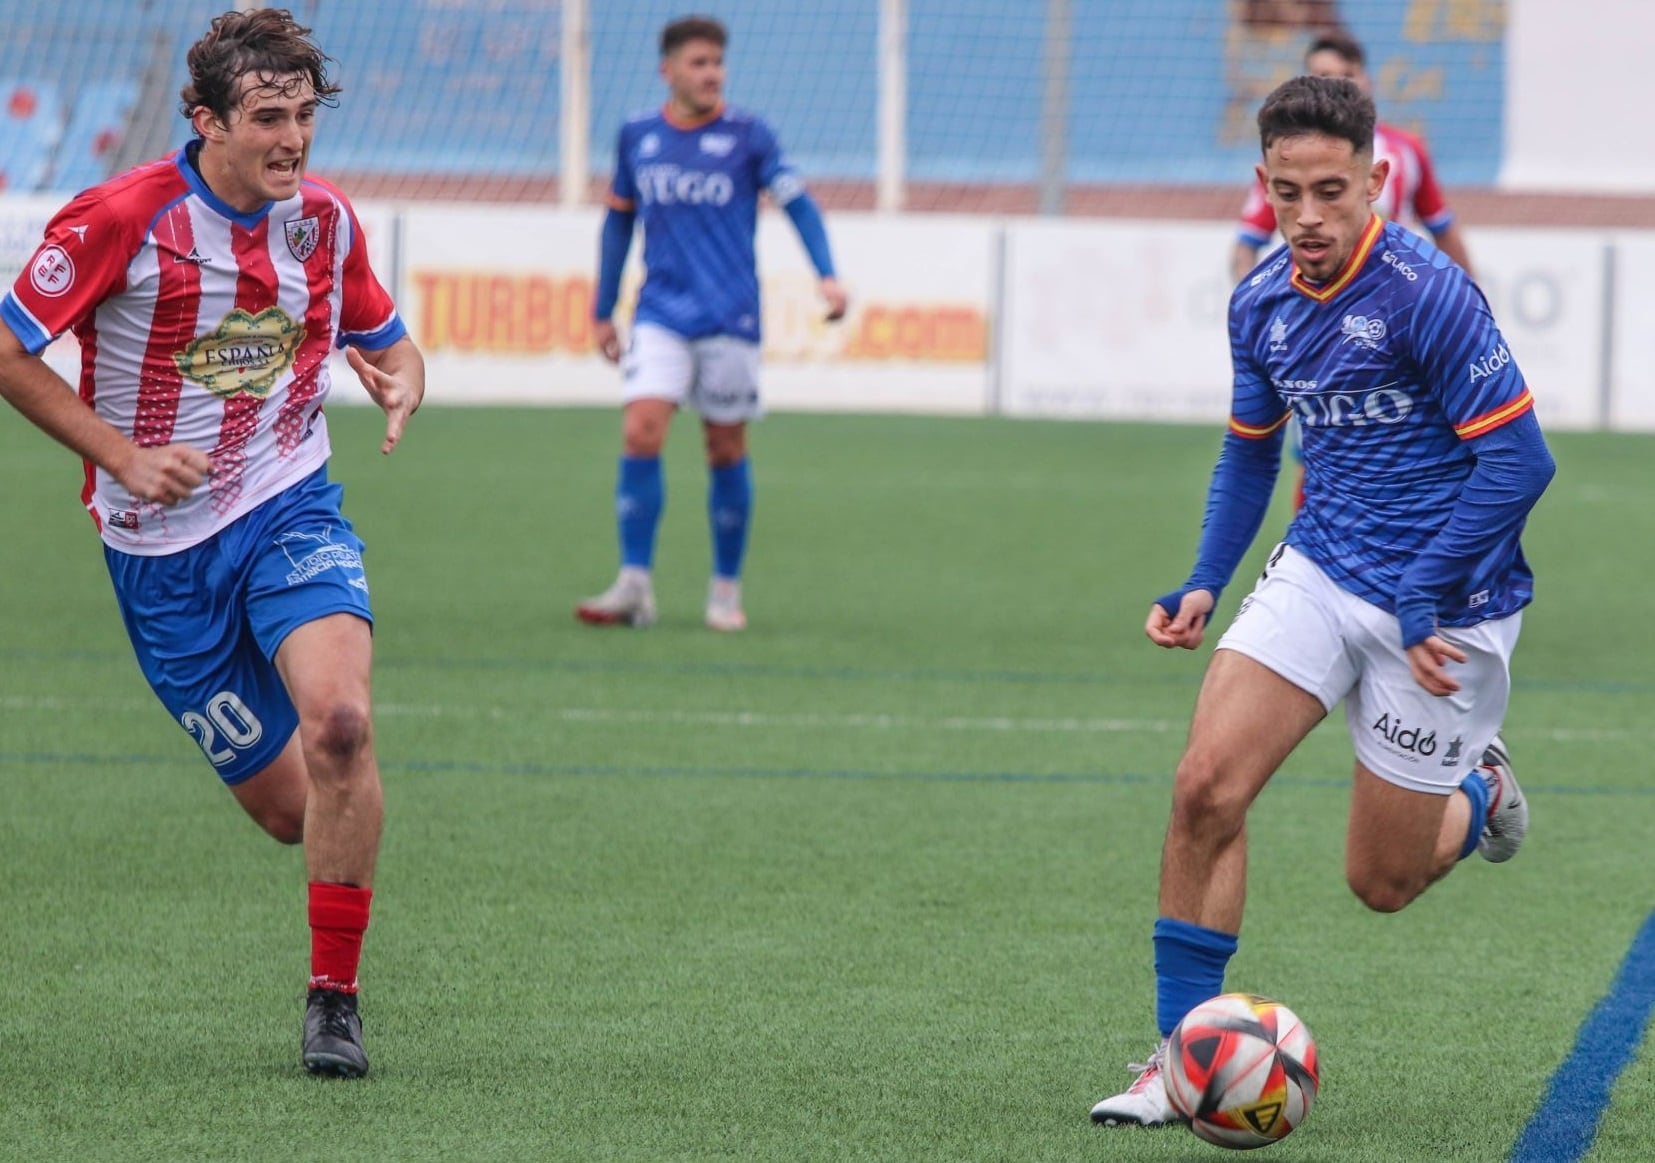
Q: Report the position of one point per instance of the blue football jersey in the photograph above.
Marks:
(696, 192)
(1390, 368)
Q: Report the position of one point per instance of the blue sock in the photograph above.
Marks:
(1189, 968)
(729, 506)
(639, 495)
(1475, 788)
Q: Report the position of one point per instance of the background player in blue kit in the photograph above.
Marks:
(1400, 584)
(692, 173)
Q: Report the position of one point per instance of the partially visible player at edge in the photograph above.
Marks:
(207, 290)
(692, 173)
(1400, 585)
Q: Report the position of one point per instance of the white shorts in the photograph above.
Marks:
(717, 376)
(1331, 643)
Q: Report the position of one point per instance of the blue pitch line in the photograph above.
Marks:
(1566, 1122)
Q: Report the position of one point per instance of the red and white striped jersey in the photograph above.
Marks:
(202, 325)
(1410, 195)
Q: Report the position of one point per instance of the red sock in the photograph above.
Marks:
(338, 918)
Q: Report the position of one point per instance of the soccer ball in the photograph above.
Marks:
(1242, 1069)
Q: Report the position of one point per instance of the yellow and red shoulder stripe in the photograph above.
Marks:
(1489, 421)
(1353, 266)
(1257, 431)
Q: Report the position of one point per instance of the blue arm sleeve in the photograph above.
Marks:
(1237, 501)
(612, 248)
(1512, 470)
(807, 220)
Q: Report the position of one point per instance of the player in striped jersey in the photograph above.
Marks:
(692, 174)
(1399, 588)
(207, 291)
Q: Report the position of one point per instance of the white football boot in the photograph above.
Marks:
(1144, 1103)
(629, 602)
(1508, 808)
(724, 605)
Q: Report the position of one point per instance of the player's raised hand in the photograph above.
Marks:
(1187, 627)
(838, 301)
(1427, 660)
(397, 395)
(165, 474)
(607, 339)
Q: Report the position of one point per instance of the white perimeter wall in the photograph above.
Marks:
(961, 315)
(1577, 96)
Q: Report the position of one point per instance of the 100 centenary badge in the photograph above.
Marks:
(245, 353)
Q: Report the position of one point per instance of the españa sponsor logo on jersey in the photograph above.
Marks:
(244, 354)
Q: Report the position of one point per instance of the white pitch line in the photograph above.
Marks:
(762, 720)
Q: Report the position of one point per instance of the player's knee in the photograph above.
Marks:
(284, 826)
(643, 435)
(340, 733)
(1205, 802)
(1384, 891)
(726, 445)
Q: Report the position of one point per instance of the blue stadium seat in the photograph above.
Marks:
(31, 124)
(97, 126)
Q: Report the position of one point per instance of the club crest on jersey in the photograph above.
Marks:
(1363, 331)
(649, 145)
(244, 355)
(302, 236)
(52, 273)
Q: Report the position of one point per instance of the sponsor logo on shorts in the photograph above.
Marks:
(1453, 754)
(312, 554)
(1404, 739)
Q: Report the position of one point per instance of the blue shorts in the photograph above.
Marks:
(206, 622)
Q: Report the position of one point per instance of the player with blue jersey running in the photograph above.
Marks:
(1401, 582)
(692, 174)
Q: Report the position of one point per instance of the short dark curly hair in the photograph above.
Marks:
(687, 28)
(264, 42)
(1331, 106)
